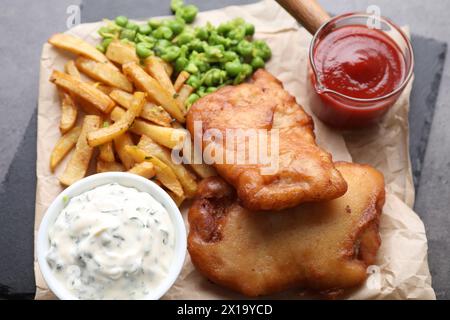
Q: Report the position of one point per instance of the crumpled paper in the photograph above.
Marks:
(401, 271)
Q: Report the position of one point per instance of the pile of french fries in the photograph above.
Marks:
(131, 112)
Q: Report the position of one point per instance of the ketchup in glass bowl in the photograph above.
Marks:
(358, 71)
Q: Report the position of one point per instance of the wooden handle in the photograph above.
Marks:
(307, 12)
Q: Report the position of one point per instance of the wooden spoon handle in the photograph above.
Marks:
(307, 12)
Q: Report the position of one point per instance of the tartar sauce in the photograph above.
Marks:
(112, 242)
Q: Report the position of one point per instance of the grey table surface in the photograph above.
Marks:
(20, 50)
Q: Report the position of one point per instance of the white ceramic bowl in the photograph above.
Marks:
(127, 180)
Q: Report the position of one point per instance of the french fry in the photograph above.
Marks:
(103, 166)
(181, 79)
(83, 91)
(63, 146)
(106, 150)
(71, 69)
(176, 125)
(104, 73)
(79, 162)
(144, 169)
(167, 67)
(183, 94)
(121, 53)
(155, 91)
(119, 144)
(69, 112)
(87, 107)
(150, 111)
(184, 176)
(117, 113)
(201, 169)
(155, 68)
(163, 172)
(78, 46)
(119, 127)
(166, 136)
(178, 200)
(104, 88)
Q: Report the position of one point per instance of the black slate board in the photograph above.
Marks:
(17, 191)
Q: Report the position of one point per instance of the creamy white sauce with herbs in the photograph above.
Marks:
(112, 242)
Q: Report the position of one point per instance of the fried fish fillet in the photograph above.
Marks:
(303, 171)
(320, 246)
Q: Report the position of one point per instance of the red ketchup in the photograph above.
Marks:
(355, 67)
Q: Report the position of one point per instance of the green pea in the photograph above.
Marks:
(191, 68)
(249, 29)
(214, 77)
(245, 48)
(257, 62)
(201, 91)
(247, 69)
(170, 53)
(181, 63)
(239, 78)
(184, 38)
(194, 81)
(108, 31)
(121, 21)
(128, 34)
(193, 97)
(211, 89)
(145, 29)
(100, 48)
(233, 68)
(154, 23)
(162, 32)
(128, 42)
(184, 50)
(214, 53)
(261, 49)
(105, 32)
(161, 45)
(202, 33)
(187, 13)
(132, 26)
(142, 50)
(143, 38)
(216, 39)
(224, 28)
(200, 61)
(197, 45)
(106, 42)
(230, 56)
(238, 33)
(237, 22)
(233, 44)
(176, 4)
(176, 25)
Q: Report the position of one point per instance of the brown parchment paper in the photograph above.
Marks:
(401, 271)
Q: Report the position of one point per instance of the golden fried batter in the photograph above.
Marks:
(319, 246)
(305, 172)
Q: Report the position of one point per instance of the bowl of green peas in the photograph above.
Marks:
(214, 56)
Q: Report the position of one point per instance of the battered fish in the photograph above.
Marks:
(319, 246)
(303, 172)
